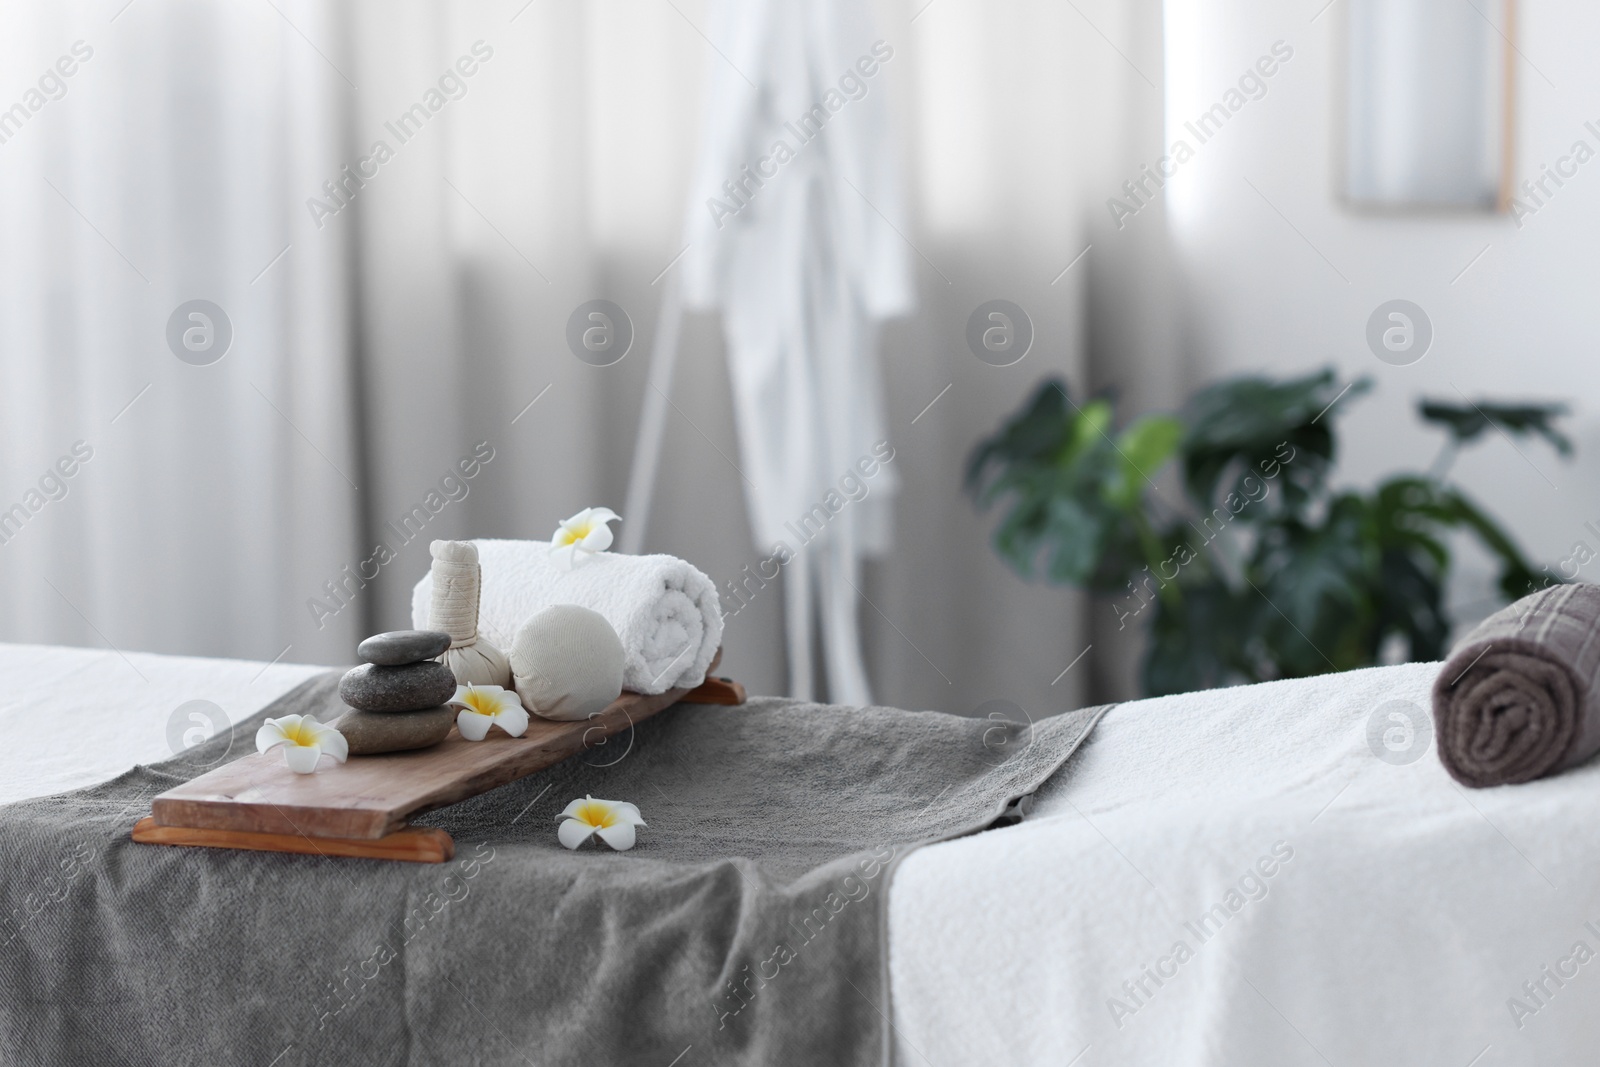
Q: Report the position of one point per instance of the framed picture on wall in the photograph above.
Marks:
(1428, 101)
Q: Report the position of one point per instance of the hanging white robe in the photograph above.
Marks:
(793, 219)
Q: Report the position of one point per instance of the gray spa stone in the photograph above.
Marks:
(414, 687)
(397, 648)
(371, 732)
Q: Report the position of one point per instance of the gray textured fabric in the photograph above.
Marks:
(746, 927)
(1519, 697)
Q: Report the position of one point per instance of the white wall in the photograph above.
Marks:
(1258, 295)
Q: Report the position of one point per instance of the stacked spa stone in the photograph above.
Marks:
(398, 694)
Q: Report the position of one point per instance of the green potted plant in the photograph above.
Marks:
(1255, 568)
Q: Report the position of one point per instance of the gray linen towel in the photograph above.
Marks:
(1519, 697)
(747, 926)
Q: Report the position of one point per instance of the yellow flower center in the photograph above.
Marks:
(481, 702)
(299, 734)
(573, 534)
(593, 813)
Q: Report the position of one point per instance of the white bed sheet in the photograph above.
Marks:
(1409, 915)
(72, 717)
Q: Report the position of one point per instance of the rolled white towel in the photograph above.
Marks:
(664, 609)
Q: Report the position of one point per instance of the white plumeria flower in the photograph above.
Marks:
(304, 741)
(585, 532)
(483, 706)
(612, 820)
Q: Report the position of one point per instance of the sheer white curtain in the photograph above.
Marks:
(561, 177)
(425, 314)
(170, 167)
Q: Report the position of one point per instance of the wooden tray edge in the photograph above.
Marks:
(412, 844)
(715, 691)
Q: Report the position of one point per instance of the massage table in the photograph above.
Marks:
(1230, 877)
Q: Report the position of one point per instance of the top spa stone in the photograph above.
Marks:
(413, 687)
(400, 647)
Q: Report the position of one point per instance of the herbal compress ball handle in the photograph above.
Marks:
(457, 587)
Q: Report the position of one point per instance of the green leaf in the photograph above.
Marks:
(1075, 533)
(1315, 582)
(1089, 427)
(1260, 429)
(1195, 644)
(1469, 421)
(1142, 449)
(1410, 603)
(1033, 437)
(1517, 576)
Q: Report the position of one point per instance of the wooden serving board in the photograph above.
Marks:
(415, 843)
(360, 807)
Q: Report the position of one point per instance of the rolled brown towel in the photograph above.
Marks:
(1520, 696)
